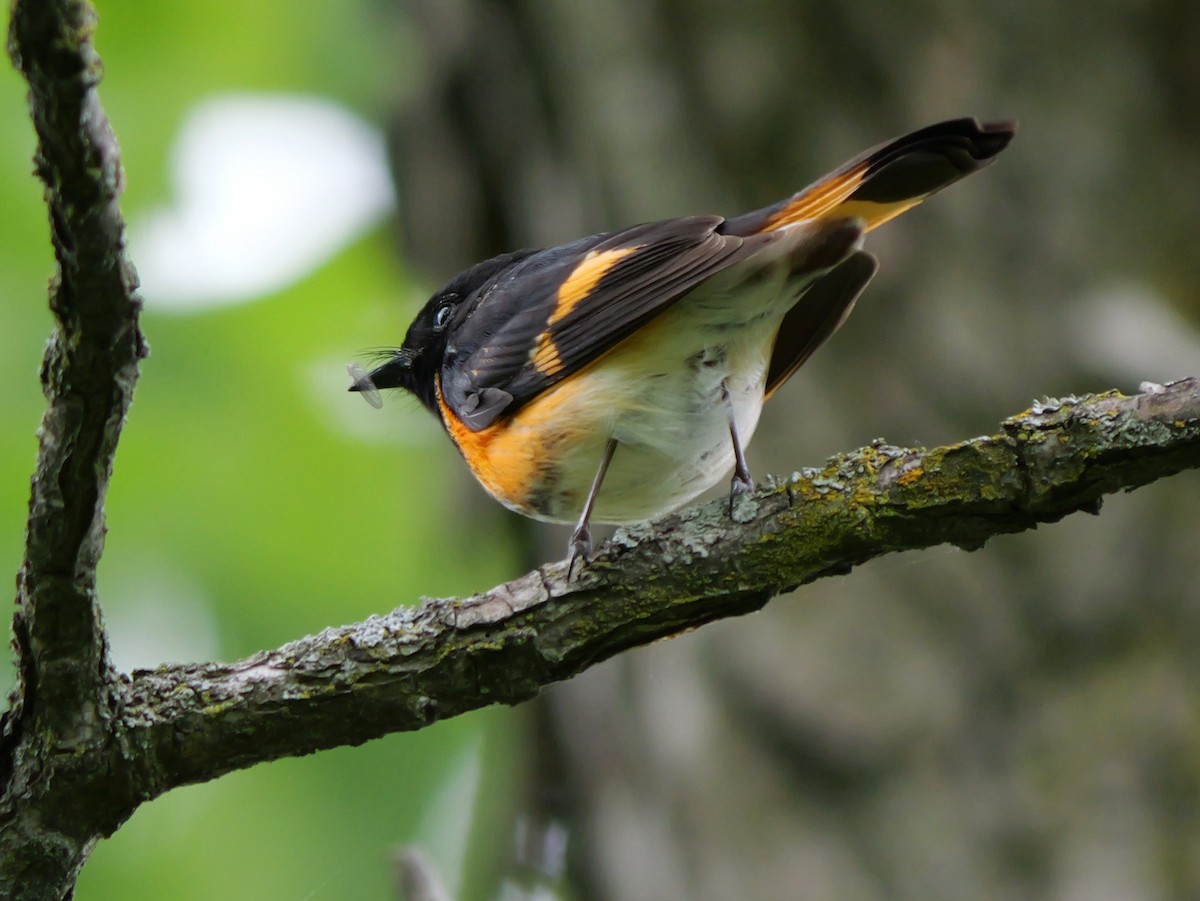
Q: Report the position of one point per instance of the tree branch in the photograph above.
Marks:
(63, 720)
(91, 362)
(413, 667)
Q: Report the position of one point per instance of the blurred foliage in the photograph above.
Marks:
(247, 507)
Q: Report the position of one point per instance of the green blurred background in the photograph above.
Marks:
(247, 507)
(1020, 722)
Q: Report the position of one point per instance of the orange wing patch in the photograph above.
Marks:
(579, 284)
(544, 356)
(584, 278)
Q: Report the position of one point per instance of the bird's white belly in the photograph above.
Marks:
(661, 395)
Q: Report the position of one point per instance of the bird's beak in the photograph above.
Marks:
(392, 374)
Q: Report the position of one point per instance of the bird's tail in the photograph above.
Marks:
(883, 182)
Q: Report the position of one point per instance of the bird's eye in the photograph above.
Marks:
(441, 316)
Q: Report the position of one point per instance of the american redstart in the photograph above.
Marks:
(619, 376)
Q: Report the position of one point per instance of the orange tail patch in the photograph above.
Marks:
(889, 179)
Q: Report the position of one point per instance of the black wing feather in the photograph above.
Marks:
(490, 371)
(819, 313)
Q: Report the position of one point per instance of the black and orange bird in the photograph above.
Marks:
(619, 376)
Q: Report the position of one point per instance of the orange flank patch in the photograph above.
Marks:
(507, 485)
(583, 279)
(511, 456)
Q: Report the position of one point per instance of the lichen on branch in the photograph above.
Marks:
(414, 666)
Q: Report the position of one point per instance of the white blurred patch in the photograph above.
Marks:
(402, 421)
(445, 826)
(1131, 332)
(160, 617)
(267, 188)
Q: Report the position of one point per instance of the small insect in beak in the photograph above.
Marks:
(361, 382)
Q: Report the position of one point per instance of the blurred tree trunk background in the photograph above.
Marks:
(1014, 723)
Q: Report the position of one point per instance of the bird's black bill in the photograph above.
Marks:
(395, 373)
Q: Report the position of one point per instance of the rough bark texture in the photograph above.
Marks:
(66, 779)
(413, 667)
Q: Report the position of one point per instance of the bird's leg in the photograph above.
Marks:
(581, 539)
(741, 483)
